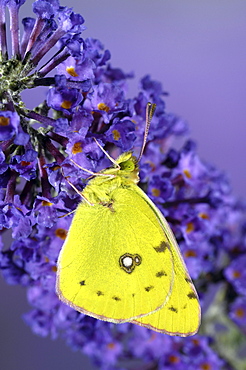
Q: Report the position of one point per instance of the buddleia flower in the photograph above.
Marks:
(86, 99)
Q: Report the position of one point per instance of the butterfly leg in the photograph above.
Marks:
(91, 172)
(77, 191)
(67, 214)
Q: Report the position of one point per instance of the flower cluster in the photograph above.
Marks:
(86, 100)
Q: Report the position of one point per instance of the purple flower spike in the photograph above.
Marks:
(3, 41)
(9, 122)
(122, 134)
(46, 150)
(81, 122)
(71, 21)
(160, 188)
(105, 99)
(15, 3)
(28, 24)
(67, 22)
(45, 9)
(25, 164)
(64, 99)
(238, 313)
(3, 164)
(48, 211)
(236, 274)
(14, 6)
(76, 69)
(95, 51)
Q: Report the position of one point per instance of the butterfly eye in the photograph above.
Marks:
(128, 262)
(127, 166)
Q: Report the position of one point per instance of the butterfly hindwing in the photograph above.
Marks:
(181, 313)
(116, 263)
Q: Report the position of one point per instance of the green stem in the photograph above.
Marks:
(197, 200)
(10, 191)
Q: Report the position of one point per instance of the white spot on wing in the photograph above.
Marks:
(127, 261)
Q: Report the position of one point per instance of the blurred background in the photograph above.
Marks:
(197, 50)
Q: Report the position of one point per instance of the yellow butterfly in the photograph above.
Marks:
(120, 261)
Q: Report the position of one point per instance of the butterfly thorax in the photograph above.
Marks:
(123, 174)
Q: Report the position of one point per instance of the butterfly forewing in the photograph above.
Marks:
(116, 263)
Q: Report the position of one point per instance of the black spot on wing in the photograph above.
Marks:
(162, 247)
(99, 293)
(148, 288)
(116, 298)
(188, 279)
(125, 186)
(82, 282)
(109, 205)
(160, 274)
(191, 295)
(173, 309)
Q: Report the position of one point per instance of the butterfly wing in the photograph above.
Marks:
(116, 263)
(181, 314)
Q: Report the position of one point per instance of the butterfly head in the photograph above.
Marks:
(127, 165)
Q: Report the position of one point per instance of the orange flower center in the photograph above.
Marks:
(77, 148)
(102, 106)
(25, 163)
(156, 192)
(45, 203)
(190, 227)
(187, 174)
(61, 233)
(71, 71)
(4, 121)
(66, 104)
(116, 135)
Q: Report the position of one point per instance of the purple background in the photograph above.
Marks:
(197, 50)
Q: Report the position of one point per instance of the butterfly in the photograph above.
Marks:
(120, 261)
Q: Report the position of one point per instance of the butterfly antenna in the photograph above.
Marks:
(150, 110)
